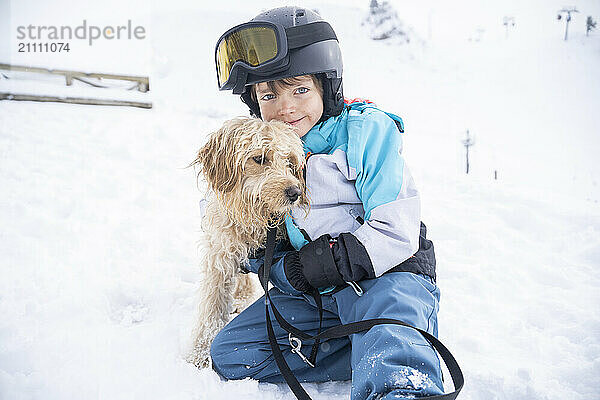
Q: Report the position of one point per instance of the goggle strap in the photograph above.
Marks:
(303, 35)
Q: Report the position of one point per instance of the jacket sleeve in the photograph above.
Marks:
(390, 232)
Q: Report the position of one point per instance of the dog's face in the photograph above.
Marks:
(254, 168)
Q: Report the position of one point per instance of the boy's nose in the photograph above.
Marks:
(286, 106)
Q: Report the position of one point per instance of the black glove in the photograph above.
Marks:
(318, 264)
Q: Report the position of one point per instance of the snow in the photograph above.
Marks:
(100, 217)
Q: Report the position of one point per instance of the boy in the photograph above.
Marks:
(362, 245)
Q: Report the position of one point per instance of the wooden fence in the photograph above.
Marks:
(141, 83)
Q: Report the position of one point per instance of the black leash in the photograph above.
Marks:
(336, 332)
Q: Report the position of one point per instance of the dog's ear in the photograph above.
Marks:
(217, 162)
(298, 165)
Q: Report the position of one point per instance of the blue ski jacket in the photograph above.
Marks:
(359, 189)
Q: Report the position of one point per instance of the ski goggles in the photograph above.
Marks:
(261, 48)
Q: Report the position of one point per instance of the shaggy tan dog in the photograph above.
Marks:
(254, 173)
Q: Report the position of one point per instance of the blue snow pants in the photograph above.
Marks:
(387, 362)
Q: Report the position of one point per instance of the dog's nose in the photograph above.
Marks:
(292, 193)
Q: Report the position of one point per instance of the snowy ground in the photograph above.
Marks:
(100, 219)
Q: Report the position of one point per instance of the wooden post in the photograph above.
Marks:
(468, 142)
(73, 100)
(143, 83)
(568, 10)
(506, 20)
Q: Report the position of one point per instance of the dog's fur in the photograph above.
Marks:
(251, 168)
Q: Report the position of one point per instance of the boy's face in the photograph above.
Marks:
(299, 105)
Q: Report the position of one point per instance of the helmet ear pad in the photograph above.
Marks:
(333, 97)
(251, 103)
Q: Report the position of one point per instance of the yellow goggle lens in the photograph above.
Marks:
(253, 45)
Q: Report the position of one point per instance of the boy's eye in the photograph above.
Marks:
(267, 97)
(302, 90)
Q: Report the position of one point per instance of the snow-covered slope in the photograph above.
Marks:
(100, 219)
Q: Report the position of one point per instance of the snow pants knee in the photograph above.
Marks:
(388, 361)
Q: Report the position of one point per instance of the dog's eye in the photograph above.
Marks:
(259, 159)
(293, 164)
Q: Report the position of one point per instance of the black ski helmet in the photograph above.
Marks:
(312, 49)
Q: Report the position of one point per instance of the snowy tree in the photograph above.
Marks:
(590, 25)
(385, 24)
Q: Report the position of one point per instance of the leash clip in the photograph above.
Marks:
(296, 346)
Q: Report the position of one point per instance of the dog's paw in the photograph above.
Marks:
(200, 357)
(200, 352)
(199, 361)
(239, 305)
